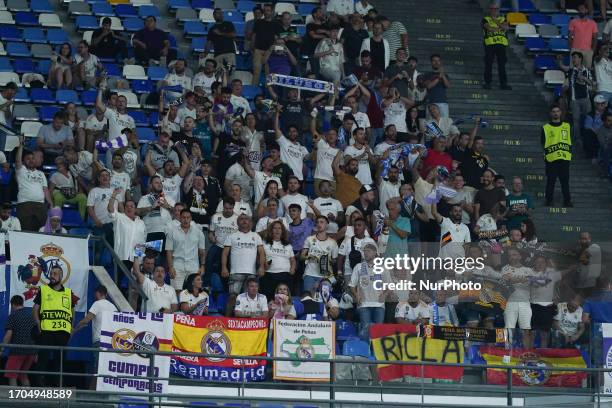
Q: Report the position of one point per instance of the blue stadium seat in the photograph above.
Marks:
(194, 28)
(356, 348)
(88, 98)
(23, 66)
(305, 9)
(201, 4)
(537, 19)
(112, 69)
(64, 96)
(172, 41)
(140, 86)
(345, 330)
(34, 35)
(177, 4)
(148, 10)
(250, 91)
(126, 10)
(233, 16)
(132, 24)
(198, 44)
(545, 62)
(558, 45)
(157, 73)
(239, 26)
(564, 31)
(102, 10)
(26, 18)
(57, 36)
(244, 6)
(18, 49)
(42, 95)
(527, 6)
(154, 118)
(42, 67)
(10, 33)
(560, 19)
(140, 118)
(145, 134)
(5, 65)
(46, 115)
(22, 96)
(535, 44)
(82, 231)
(243, 63)
(84, 23)
(41, 6)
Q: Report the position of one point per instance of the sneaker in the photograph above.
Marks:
(505, 87)
(487, 86)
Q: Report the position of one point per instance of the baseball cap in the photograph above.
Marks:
(366, 188)
(599, 98)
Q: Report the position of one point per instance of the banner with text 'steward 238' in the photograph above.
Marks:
(400, 342)
(233, 337)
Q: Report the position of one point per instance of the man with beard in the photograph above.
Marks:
(453, 233)
(325, 149)
(364, 204)
(329, 207)
(388, 188)
(488, 195)
(347, 179)
(119, 178)
(293, 196)
(464, 198)
(557, 143)
(222, 225)
(118, 118)
(53, 312)
(474, 163)
(197, 201)
(185, 136)
(361, 151)
(171, 178)
(292, 152)
(203, 80)
(177, 78)
(154, 209)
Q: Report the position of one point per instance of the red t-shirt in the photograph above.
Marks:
(583, 33)
(376, 115)
(435, 158)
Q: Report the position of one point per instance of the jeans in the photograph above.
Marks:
(367, 316)
(311, 283)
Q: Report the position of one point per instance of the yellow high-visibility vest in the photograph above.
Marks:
(498, 36)
(55, 309)
(557, 142)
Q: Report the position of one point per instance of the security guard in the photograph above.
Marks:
(53, 311)
(495, 42)
(557, 143)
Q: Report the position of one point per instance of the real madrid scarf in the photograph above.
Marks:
(300, 83)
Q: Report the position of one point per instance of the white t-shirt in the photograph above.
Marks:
(254, 140)
(264, 222)
(3, 120)
(83, 166)
(120, 179)
(117, 122)
(251, 307)
(240, 102)
(128, 234)
(299, 199)
(603, 73)
(174, 79)
(31, 184)
(386, 191)
(346, 248)
(200, 79)
(325, 157)
(293, 155)
(90, 64)
(158, 296)
(363, 278)
(364, 174)
(278, 257)
(97, 308)
(185, 112)
(329, 206)
(243, 251)
(522, 292)
(317, 248)
(187, 297)
(223, 227)
(10, 224)
(568, 321)
(452, 238)
(172, 186)
(157, 219)
(236, 175)
(241, 207)
(98, 198)
(543, 288)
(362, 120)
(395, 114)
(92, 123)
(405, 311)
(259, 184)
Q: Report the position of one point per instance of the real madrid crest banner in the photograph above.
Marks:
(134, 333)
(536, 359)
(305, 340)
(219, 336)
(33, 256)
(606, 329)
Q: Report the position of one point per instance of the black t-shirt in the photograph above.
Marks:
(293, 114)
(229, 153)
(222, 45)
(309, 44)
(285, 33)
(472, 167)
(365, 211)
(352, 41)
(377, 53)
(488, 198)
(282, 171)
(107, 47)
(22, 324)
(437, 94)
(456, 154)
(265, 31)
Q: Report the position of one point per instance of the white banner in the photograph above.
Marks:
(305, 339)
(606, 329)
(134, 333)
(33, 255)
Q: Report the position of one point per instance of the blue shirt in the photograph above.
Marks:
(599, 307)
(299, 233)
(593, 122)
(397, 245)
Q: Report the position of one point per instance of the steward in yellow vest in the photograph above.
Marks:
(494, 28)
(556, 140)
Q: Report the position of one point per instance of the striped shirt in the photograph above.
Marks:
(394, 36)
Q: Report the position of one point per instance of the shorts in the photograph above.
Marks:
(518, 312)
(542, 316)
(236, 282)
(21, 362)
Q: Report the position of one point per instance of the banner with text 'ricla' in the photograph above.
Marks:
(135, 334)
(222, 337)
(34, 255)
(303, 339)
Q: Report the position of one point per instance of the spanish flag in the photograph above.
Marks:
(399, 342)
(229, 340)
(538, 359)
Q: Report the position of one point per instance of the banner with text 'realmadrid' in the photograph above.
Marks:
(134, 334)
(34, 255)
(222, 337)
(303, 339)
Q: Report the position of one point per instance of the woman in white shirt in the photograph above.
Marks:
(280, 260)
(60, 73)
(330, 54)
(281, 306)
(193, 300)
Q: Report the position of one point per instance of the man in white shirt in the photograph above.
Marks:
(95, 315)
(261, 178)
(414, 311)
(237, 176)
(240, 205)
(351, 249)
(518, 307)
(239, 103)
(292, 151)
(33, 191)
(329, 206)
(320, 253)
(205, 78)
(118, 119)
(154, 208)
(326, 151)
(188, 110)
(453, 234)
(362, 152)
(177, 77)
(129, 230)
(94, 128)
(342, 8)
(171, 178)
(7, 100)
(271, 216)
(388, 188)
(251, 303)
(7, 221)
(247, 258)
(223, 224)
(185, 250)
(567, 323)
(294, 197)
(120, 178)
(161, 298)
(97, 208)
